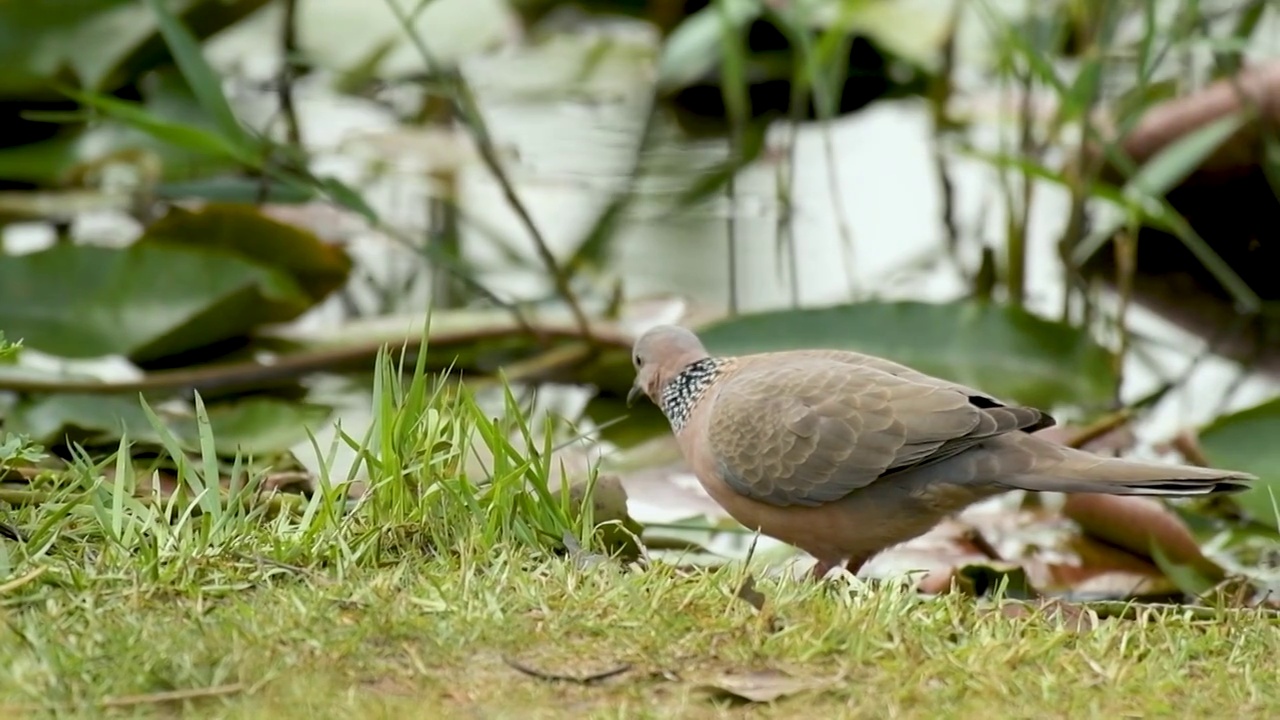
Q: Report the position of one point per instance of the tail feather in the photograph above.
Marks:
(1075, 471)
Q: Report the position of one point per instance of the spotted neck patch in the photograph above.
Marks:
(683, 391)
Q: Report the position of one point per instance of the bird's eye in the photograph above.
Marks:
(636, 359)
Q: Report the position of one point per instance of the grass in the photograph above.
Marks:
(420, 600)
(431, 637)
(417, 600)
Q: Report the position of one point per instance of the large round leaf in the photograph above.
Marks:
(255, 426)
(144, 302)
(98, 43)
(242, 229)
(998, 349)
(1247, 441)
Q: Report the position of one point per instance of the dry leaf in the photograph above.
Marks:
(1133, 523)
(748, 593)
(763, 686)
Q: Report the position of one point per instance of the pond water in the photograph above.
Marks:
(569, 136)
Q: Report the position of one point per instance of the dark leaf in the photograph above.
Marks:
(167, 136)
(1246, 441)
(1189, 579)
(991, 578)
(189, 137)
(145, 302)
(255, 426)
(204, 82)
(241, 229)
(748, 593)
(99, 43)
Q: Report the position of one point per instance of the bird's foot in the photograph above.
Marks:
(823, 567)
(855, 564)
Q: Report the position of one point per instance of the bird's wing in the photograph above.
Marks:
(809, 430)
(982, 399)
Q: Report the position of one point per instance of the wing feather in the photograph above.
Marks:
(812, 428)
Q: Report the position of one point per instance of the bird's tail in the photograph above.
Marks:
(1062, 469)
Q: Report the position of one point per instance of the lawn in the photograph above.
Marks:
(444, 637)
(436, 592)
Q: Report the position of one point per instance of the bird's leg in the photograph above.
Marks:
(855, 564)
(821, 569)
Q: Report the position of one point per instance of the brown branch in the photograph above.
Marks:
(249, 375)
(1098, 428)
(288, 71)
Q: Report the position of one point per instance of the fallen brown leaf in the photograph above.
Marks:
(952, 544)
(762, 686)
(1044, 547)
(1090, 568)
(1134, 523)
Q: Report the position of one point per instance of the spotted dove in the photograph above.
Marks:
(843, 454)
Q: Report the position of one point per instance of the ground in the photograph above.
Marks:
(438, 593)
(439, 637)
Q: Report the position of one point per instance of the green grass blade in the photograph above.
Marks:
(180, 135)
(187, 473)
(733, 62)
(204, 82)
(124, 482)
(1176, 161)
(211, 503)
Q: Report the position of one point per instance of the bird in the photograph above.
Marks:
(843, 454)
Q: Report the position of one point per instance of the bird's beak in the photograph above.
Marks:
(633, 393)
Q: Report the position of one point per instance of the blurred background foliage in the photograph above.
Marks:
(1070, 203)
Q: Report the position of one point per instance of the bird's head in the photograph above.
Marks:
(658, 355)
